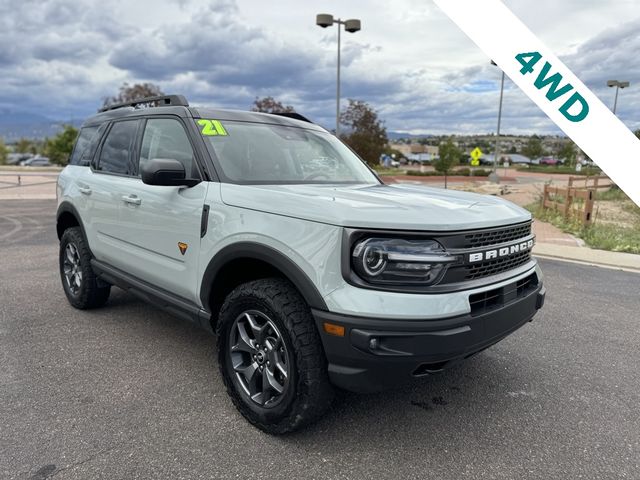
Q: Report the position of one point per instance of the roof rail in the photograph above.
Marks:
(295, 115)
(161, 100)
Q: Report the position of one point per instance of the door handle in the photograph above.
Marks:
(131, 199)
(85, 190)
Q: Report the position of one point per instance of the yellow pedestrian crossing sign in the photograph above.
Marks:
(476, 153)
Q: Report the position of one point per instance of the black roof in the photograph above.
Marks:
(256, 117)
(177, 105)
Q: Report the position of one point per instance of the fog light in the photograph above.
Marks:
(374, 343)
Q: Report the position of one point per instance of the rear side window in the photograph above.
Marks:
(86, 145)
(116, 155)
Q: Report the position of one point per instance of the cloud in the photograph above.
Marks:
(60, 57)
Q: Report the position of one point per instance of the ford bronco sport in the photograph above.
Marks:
(269, 231)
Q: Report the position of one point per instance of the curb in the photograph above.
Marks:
(627, 262)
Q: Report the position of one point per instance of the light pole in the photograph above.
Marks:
(494, 176)
(352, 25)
(618, 84)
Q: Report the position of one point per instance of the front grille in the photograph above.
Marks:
(485, 239)
(497, 265)
(499, 235)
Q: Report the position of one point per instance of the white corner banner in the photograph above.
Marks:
(552, 86)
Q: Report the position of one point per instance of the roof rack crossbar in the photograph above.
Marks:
(162, 100)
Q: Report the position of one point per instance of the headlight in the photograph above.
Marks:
(397, 261)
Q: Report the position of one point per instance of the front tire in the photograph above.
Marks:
(81, 286)
(271, 358)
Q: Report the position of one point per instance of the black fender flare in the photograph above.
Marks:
(67, 207)
(266, 254)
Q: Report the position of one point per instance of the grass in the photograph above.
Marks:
(559, 169)
(19, 168)
(463, 172)
(380, 170)
(614, 193)
(600, 235)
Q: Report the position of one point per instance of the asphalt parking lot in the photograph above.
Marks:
(129, 392)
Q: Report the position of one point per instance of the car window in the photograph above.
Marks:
(166, 138)
(82, 143)
(116, 154)
(86, 145)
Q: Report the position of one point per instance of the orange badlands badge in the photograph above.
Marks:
(183, 247)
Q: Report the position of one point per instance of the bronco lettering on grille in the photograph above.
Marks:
(500, 252)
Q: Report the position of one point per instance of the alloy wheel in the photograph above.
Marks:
(72, 269)
(259, 358)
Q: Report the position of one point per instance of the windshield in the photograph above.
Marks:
(260, 153)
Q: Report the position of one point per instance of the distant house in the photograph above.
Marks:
(416, 149)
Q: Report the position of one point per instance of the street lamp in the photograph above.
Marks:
(618, 84)
(494, 176)
(352, 25)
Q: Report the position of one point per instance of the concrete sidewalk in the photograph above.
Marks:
(547, 233)
(25, 185)
(589, 256)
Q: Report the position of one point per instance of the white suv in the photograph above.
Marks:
(269, 231)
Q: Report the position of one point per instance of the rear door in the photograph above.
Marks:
(159, 226)
(83, 152)
(101, 187)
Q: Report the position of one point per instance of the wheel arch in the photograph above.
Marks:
(225, 271)
(66, 217)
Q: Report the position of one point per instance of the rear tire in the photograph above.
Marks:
(271, 358)
(81, 286)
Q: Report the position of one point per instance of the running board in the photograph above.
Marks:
(158, 297)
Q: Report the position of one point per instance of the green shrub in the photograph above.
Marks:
(418, 173)
(460, 172)
(559, 169)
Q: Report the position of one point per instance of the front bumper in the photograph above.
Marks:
(375, 354)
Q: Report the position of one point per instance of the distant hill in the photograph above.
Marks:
(397, 135)
(15, 125)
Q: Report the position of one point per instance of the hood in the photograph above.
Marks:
(397, 207)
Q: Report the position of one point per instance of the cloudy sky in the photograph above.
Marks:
(59, 58)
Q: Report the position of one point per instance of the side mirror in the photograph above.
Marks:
(167, 172)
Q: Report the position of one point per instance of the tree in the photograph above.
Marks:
(130, 93)
(568, 153)
(637, 132)
(24, 145)
(484, 145)
(367, 134)
(59, 148)
(533, 148)
(3, 152)
(270, 105)
(449, 156)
